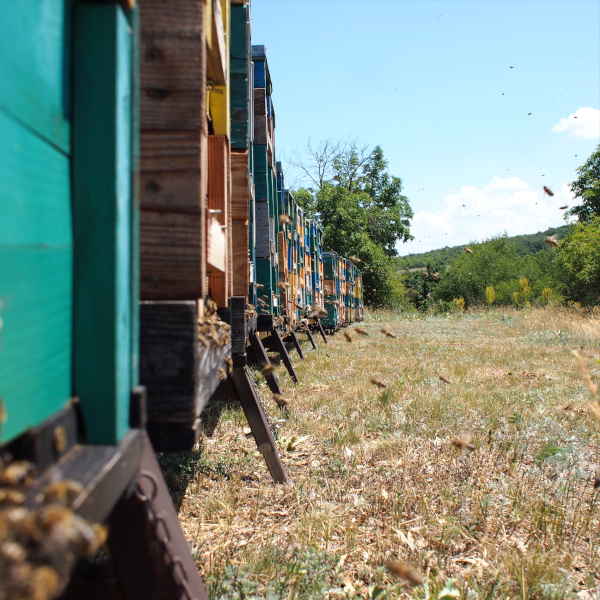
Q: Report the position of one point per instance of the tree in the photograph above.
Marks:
(579, 255)
(587, 187)
(360, 208)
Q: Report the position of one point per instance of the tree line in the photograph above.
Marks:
(364, 215)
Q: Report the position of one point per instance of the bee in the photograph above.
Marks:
(284, 220)
(595, 408)
(267, 369)
(347, 336)
(203, 340)
(45, 582)
(12, 552)
(16, 473)
(442, 378)
(402, 570)
(361, 331)
(468, 250)
(222, 374)
(464, 443)
(8, 496)
(388, 333)
(283, 285)
(563, 207)
(60, 439)
(63, 492)
(259, 285)
(552, 240)
(548, 190)
(378, 383)
(281, 401)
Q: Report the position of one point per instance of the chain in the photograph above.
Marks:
(161, 530)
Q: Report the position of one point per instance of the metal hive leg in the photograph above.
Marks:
(285, 357)
(242, 380)
(263, 360)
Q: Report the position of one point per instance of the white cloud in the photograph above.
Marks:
(583, 123)
(474, 214)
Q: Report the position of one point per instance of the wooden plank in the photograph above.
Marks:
(35, 278)
(152, 561)
(260, 116)
(261, 431)
(35, 45)
(239, 235)
(216, 60)
(170, 261)
(239, 185)
(173, 64)
(102, 220)
(180, 372)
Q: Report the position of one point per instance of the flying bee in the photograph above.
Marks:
(361, 331)
(552, 240)
(442, 378)
(284, 220)
(468, 250)
(63, 492)
(464, 443)
(222, 374)
(283, 285)
(16, 473)
(388, 333)
(548, 190)
(259, 285)
(347, 336)
(281, 401)
(378, 383)
(597, 480)
(563, 207)
(267, 369)
(402, 570)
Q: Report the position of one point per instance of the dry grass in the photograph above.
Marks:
(378, 476)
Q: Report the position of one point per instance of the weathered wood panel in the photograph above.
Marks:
(173, 152)
(180, 373)
(173, 64)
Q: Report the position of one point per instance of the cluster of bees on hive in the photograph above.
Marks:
(213, 331)
(39, 546)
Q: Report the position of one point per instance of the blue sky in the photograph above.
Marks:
(431, 83)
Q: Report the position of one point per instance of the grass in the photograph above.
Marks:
(377, 476)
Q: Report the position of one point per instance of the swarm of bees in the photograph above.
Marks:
(403, 571)
(552, 240)
(39, 547)
(213, 331)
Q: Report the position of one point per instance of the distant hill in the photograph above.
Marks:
(526, 245)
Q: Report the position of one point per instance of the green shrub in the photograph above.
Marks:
(579, 257)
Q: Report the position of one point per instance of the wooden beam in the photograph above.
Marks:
(102, 220)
